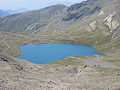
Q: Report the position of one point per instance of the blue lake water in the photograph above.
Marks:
(45, 53)
(62, 31)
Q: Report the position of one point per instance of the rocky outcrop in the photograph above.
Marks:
(76, 6)
(33, 28)
(80, 13)
(3, 58)
(93, 25)
(112, 22)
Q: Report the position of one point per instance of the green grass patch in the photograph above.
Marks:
(67, 61)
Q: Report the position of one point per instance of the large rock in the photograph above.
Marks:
(3, 58)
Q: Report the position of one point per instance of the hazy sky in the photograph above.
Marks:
(33, 4)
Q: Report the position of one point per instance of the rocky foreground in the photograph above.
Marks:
(74, 73)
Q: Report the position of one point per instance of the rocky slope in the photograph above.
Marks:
(70, 74)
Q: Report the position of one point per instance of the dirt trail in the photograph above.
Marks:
(61, 85)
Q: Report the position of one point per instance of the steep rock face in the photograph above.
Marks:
(80, 10)
(111, 21)
(82, 13)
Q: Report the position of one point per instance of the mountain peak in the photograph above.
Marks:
(3, 13)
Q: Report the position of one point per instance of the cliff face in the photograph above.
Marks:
(80, 10)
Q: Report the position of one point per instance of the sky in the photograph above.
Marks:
(33, 4)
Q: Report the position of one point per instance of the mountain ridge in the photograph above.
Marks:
(30, 17)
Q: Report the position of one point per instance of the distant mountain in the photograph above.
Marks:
(10, 12)
(3, 13)
(20, 10)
